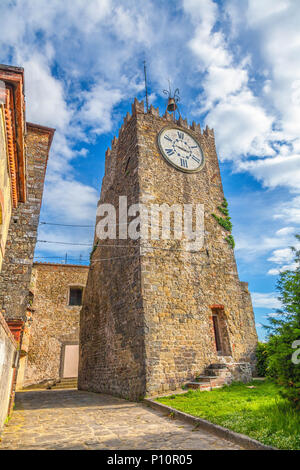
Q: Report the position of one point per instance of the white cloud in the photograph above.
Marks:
(67, 202)
(222, 81)
(276, 27)
(265, 300)
(70, 200)
(273, 272)
(256, 232)
(50, 17)
(45, 95)
(261, 120)
(98, 107)
(243, 127)
(272, 315)
(289, 211)
(202, 12)
(247, 126)
(209, 49)
(284, 257)
(282, 232)
(281, 256)
(286, 267)
(281, 170)
(73, 242)
(257, 12)
(253, 246)
(132, 24)
(82, 59)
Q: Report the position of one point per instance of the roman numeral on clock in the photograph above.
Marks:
(168, 138)
(196, 159)
(180, 135)
(170, 151)
(183, 163)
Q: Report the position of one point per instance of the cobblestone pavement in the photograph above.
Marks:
(72, 419)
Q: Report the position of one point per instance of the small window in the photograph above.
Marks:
(75, 297)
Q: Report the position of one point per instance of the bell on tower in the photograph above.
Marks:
(171, 105)
(172, 100)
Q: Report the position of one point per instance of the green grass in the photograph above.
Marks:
(259, 412)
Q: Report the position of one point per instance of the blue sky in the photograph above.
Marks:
(236, 63)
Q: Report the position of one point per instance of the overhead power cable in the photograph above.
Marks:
(61, 257)
(64, 243)
(118, 246)
(149, 224)
(65, 225)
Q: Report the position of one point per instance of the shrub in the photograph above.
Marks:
(284, 330)
(261, 359)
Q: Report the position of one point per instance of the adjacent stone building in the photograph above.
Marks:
(156, 314)
(56, 293)
(24, 150)
(8, 368)
(12, 149)
(22, 234)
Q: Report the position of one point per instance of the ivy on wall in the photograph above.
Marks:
(225, 221)
(93, 250)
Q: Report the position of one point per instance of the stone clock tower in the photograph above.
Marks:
(156, 314)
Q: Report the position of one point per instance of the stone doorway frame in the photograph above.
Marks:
(219, 321)
(63, 354)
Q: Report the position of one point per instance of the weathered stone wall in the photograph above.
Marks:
(111, 322)
(167, 310)
(179, 288)
(21, 240)
(8, 349)
(54, 322)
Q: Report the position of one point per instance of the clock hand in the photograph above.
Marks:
(182, 148)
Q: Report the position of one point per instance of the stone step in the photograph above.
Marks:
(207, 378)
(65, 383)
(217, 372)
(59, 386)
(199, 386)
(217, 366)
(217, 381)
(63, 387)
(34, 387)
(203, 386)
(214, 376)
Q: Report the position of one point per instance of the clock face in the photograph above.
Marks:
(180, 149)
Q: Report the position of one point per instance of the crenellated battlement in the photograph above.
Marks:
(138, 107)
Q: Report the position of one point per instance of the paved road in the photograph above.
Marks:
(72, 419)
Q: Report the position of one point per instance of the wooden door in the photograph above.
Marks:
(217, 334)
(71, 356)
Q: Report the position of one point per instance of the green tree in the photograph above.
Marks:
(261, 359)
(284, 331)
